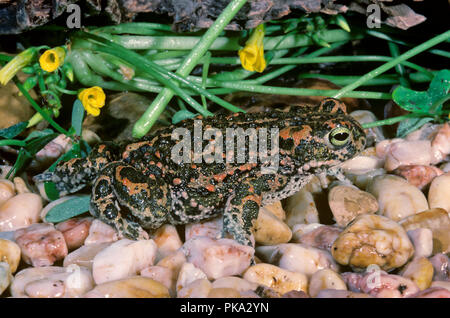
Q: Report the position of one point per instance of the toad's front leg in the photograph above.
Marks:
(126, 199)
(241, 210)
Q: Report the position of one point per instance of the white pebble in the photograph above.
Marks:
(5, 276)
(167, 240)
(301, 208)
(188, 274)
(199, 288)
(209, 228)
(100, 232)
(422, 240)
(439, 192)
(325, 279)
(20, 211)
(7, 190)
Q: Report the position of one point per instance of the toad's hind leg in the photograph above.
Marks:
(105, 206)
(241, 210)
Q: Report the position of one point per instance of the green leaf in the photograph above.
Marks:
(182, 115)
(68, 209)
(36, 144)
(39, 133)
(77, 116)
(409, 125)
(51, 191)
(14, 130)
(439, 86)
(411, 100)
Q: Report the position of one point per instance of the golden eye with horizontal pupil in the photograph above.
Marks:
(339, 136)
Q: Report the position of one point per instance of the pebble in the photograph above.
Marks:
(188, 274)
(347, 202)
(100, 232)
(20, 211)
(441, 265)
(433, 292)
(41, 244)
(20, 185)
(276, 278)
(363, 163)
(420, 271)
(422, 240)
(210, 228)
(167, 240)
(440, 145)
(7, 190)
(321, 237)
(438, 221)
(362, 180)
(133, 287)
(325, 279)
(75, 231)
(276, 209)
(122, 259)
(240, 284)
(199, 288)
(84, 256)
(439, 192)
(52, 282)
(301, 208)
(373, 240)
(397, 198)
(418, 176)
(10, 253)
(269, 229)
(405, 153)
(297, 257)
(161, 274)
(5, 276)
(335, 293)
(218, 258)
(224, 293)
(441, 284)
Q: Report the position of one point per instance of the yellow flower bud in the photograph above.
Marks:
(252, 55)
(93, 99)
(16, 64)
(51, 59)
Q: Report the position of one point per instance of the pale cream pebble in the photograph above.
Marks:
(199, 288)
(5, 276)
(297, 258)
(374, 134)
(387, 286)
(335, 293)
(438, 221)
(167, 240)
(362, 180)
(122, 259)
(382, 147)
(397, 198)
(441, 284)
(188, 274)
(210, 228)
(240, 284)
(325, 279)
(84, 256)
(160, 274)
(278, 279)
(41, 244)
(347, 202)
(295, 294)
(20, 185)
(301, 208)
(173, 263)
(432, 292)
(366, 161)
(440, 145)
(439, 192)
(52, 281)
(408, 153)
(276, 209)
(314, 186)
(75, 231)
(420, 271)
(300, 229)
(441, 265)
(7, 190)
(422, 240)
(52, 204)
(418, 175)
(268, 229)
(10, 253)
(373, 239)
(132, 287)
(20, 211)
(100, 232)
(218, 258)
(224, 293)
(322, 237)
(426, 132)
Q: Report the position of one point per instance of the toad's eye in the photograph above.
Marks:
(339, 136)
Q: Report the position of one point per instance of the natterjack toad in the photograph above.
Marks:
(139, 185)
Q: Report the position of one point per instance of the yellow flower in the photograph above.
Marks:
(252, 55)
(51, 59)
(93, 99)
(16, 64)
